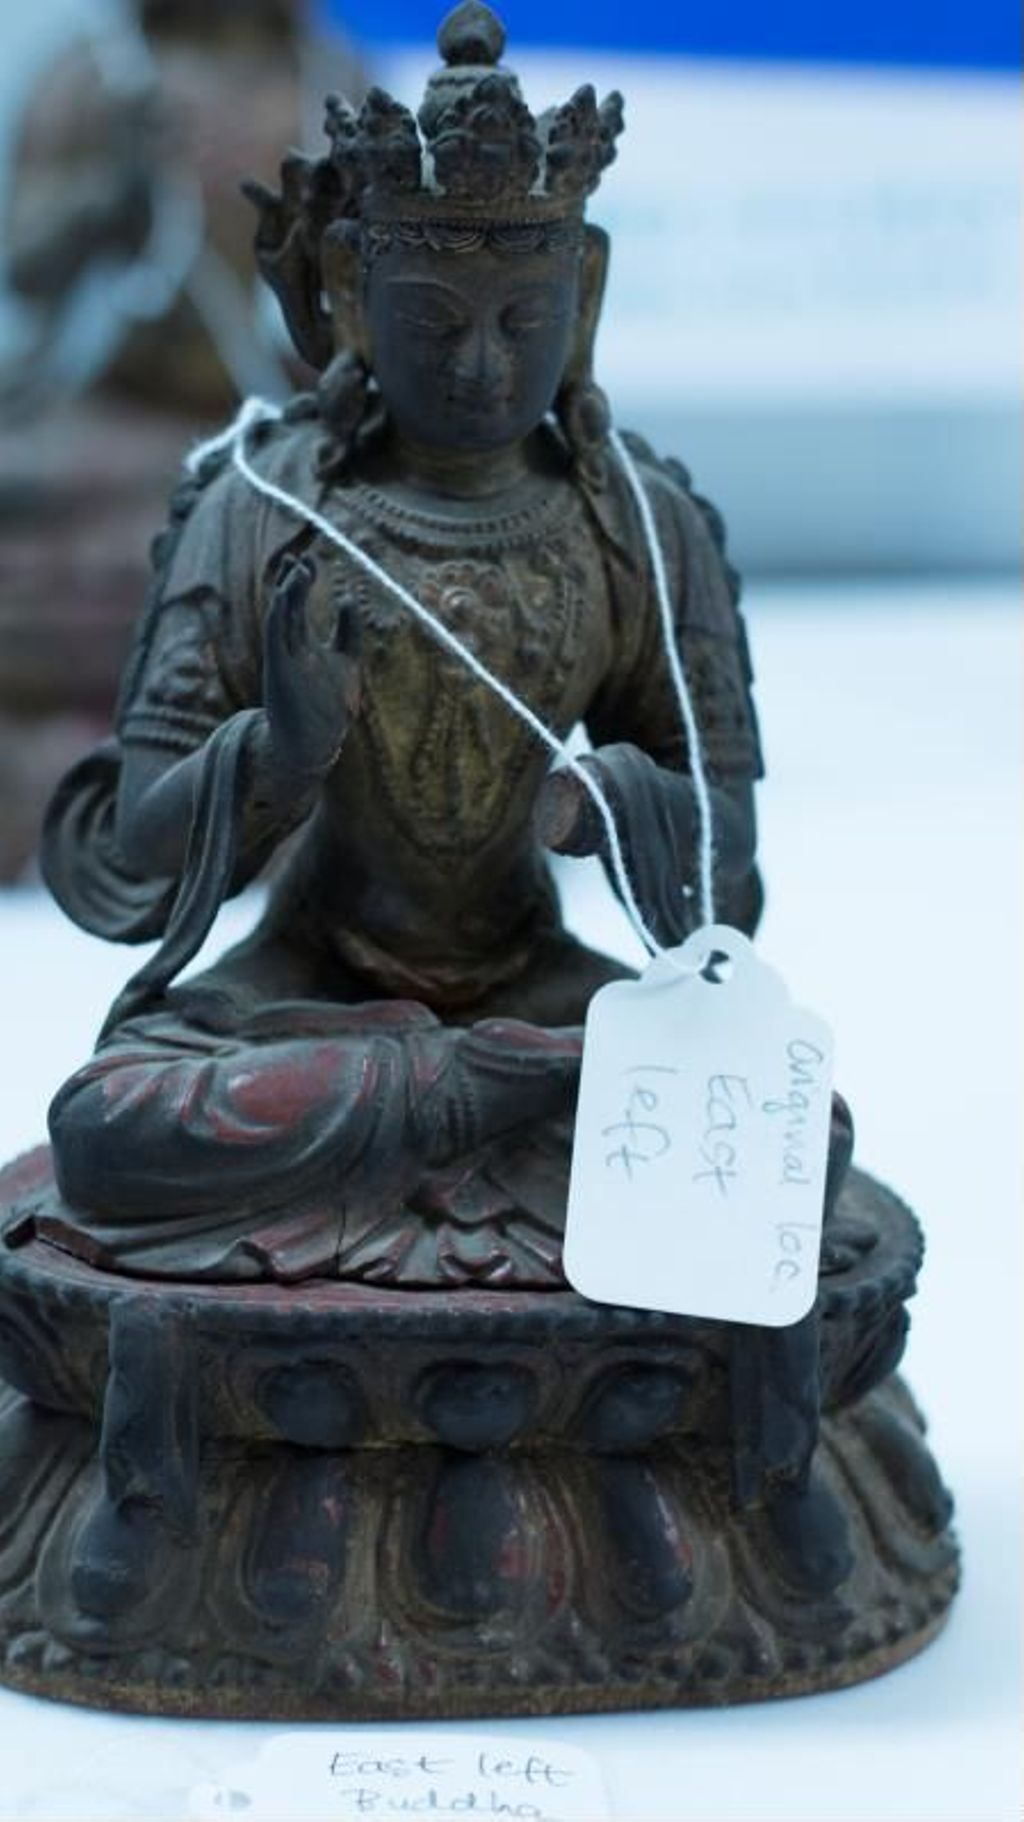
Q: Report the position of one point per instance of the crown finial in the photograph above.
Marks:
(471, 34)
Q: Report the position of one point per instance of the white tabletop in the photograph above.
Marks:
(891, 842)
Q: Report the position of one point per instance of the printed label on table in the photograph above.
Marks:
(385, 1774)
(701, 1145)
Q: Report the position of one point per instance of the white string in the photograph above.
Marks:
(701, 791)
(258, 411)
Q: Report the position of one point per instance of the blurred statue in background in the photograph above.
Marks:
(347, 1443)
(133, 277)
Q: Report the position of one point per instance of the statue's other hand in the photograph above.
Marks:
(566, 817)
(634, 788)
(654, 817)
(310, 680)
(658, 825)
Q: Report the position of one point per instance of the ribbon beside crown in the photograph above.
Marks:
(473, 164)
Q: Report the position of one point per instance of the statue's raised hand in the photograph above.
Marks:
(310, 681)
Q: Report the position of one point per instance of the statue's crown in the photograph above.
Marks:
(474, 150)
(473, 168)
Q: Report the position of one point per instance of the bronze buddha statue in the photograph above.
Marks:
(312, 1198)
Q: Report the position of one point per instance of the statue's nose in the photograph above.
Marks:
(480, 360)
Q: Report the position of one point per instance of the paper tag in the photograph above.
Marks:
(698, 1171)
(344, 1776)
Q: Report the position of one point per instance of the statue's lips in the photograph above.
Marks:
(480, 403)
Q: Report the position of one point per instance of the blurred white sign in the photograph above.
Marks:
(781, 233)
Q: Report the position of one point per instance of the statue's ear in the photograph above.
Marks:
(342, 274)
(593, 272)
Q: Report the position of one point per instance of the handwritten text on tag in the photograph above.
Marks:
(701, 1144)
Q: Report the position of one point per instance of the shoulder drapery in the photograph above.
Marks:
(210, 873)
(637, 702)
(634, 719)
(193, 682)
(84, 870)
(81, 862)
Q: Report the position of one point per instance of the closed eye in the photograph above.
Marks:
(426, 308)
(429, 322)
(536, 310)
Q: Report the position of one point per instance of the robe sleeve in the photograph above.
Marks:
(636, 701)
(196, 660)
(192, 681)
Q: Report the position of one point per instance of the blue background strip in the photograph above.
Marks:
(970, 34)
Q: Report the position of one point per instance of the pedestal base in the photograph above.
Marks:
(334, 1502)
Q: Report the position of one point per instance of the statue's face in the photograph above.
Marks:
(469, 349)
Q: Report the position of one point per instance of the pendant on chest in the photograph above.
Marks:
(448, 752)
